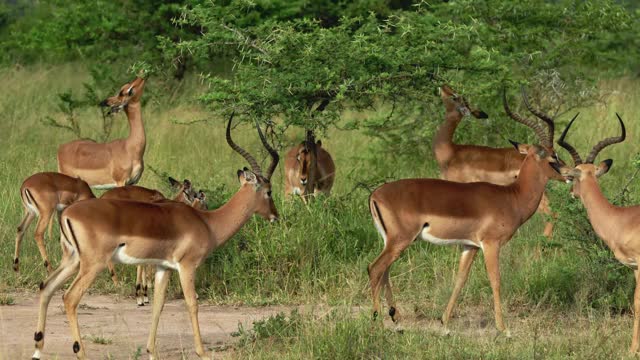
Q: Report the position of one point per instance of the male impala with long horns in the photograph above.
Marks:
(618, 227)
(170, 235)
(477, 215)
(116, 163)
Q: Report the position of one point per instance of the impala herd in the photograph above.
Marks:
(484, 195)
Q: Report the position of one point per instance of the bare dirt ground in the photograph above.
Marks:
(122, 325)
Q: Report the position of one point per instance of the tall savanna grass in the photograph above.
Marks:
(319, 253)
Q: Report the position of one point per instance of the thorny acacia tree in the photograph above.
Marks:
(306, 64)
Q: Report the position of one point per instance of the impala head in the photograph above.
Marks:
(186, 193)
(454, 102)
(544, 129)
(587, 169)
(552, 166)
(129, 93)
(254, 179)
(307, 158)
(200, 201)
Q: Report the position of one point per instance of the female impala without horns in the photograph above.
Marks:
(116, 163)
(618, 227)
(173, 236)
(184, 193)
(471, 163)
(43, 194)
(475, 215)
(308, 169)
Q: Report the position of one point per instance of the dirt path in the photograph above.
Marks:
(122, 324)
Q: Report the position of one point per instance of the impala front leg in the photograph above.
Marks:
(635, 341)
(161, 281)
(492, 263)
(22, 228)
(187, 281)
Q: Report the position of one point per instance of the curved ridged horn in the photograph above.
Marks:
(274, 154)
(542, 116)
(535, 126)
(606, 142)
(252, 162)
(577, 160)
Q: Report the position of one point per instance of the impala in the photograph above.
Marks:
(43, 194)
(185, 194)
(173, 236)
(116, 163)
(471, 163)
(308, 169)
(618, 227)
(476, 215)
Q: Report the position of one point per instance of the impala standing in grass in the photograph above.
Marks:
(308, 169)
(116, 163)
(471, 163)
(173, 236)
(618, 227)
(478, 216)
(43, 194)
(185, 194)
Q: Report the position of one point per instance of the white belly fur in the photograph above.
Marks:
(120, 256)
(426, 236)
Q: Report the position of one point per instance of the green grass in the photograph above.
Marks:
(318, 254)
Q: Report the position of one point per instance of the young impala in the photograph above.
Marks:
(471, 163)
(308, 169)
(476, 215)
(173, 236)
(618, 227)
(116, 163)
(185, 194)
(42, 195)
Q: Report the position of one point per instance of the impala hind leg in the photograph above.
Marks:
(41, 227)
(22, 228)
(187, 281)
(388, 293)
(139, 274)
(635, 340)
(146, 270)
(492, 263)
(466, 260)
(377, 270)
(68, 267)
(112, 272)
(87, 274)
(161, 281)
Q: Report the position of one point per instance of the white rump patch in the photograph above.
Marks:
(426, 236)
(32, 208)
(120, 256)
(380, 230)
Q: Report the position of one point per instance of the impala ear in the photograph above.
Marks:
(174, 183)
(604, 167)
(247, 176)
(130, 91)
(187, 184)
(318, 143)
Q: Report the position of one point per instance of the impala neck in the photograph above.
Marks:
(529, 187)
(599, 209)
(227, 220)
(443, 141)
(136, 137)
